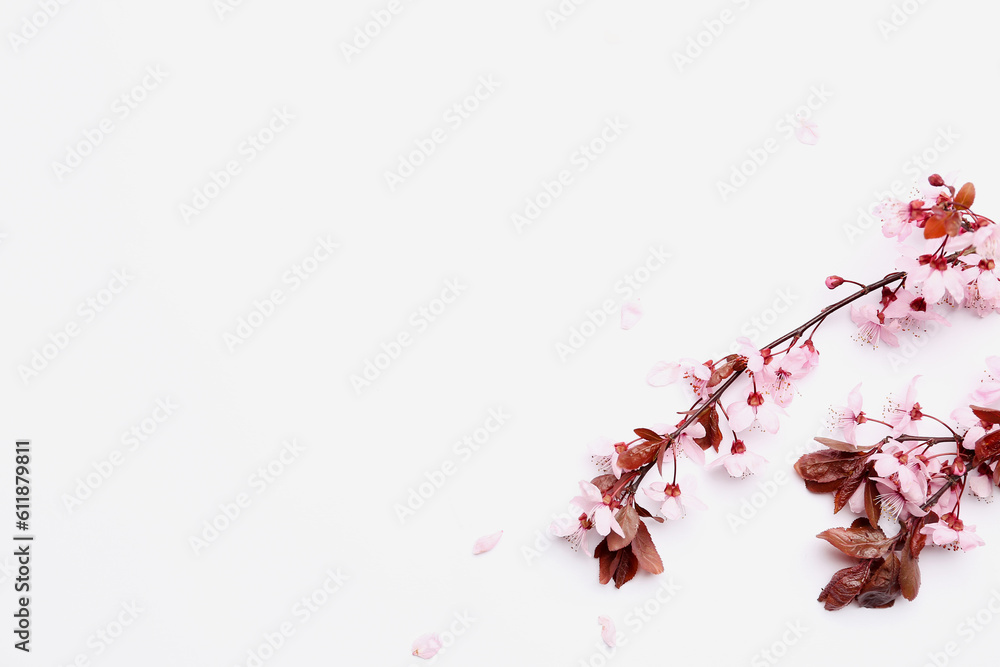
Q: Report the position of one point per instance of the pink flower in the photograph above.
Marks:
(575, 532)
(873, 326)
(739, 462)
(673, 503)
(895, 502)
(755, 360)
(987, 241)
(895, 216)
(755, 408)
(951, 533)
(607, 630)
(909, 308)
(933, 273)
(812, 355)
(895, 459)
(631, 314)
(599, 506)
(989, 390)
(779, 375)
(847, 418)
(981, 481)
(486, 543)
(427, 646)
(685, 443)
(696, 374)
(906, 414)
(604, 454)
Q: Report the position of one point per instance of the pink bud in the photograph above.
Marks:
(834, 282)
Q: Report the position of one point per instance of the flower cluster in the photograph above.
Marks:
(904, 476)
(915, 481)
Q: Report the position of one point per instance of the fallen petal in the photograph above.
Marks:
(631, 314)
(807, 132)
(607, 630)
(486, 543)
(427, 646)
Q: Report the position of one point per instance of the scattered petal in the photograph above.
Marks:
(607, 630)
(631, 314)
(486, 543)
(807, 132)
(427, 646)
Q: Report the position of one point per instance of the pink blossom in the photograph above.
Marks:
(599, 507)
(905, 415)
(696, 374)
(987, 241)
(950, 532)
(874, 326)
(895, 216)
(607, 630)
(631, 314)
(575, 532)
(895, 502)
(486, 543)
(989, 391)
(755, 408)
(740, 461)
(427, 646)
(779, 376)
(908, 307)
(811, 354)
(896, 459)
(981, 481)
(848, 417)
(604, 453)
(934, 274)
(755, 360)
(685, 443)
(674, 503)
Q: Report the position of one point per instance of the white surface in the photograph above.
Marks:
(493, 348)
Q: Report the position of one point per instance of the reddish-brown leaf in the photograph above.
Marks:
(966, 195)
(642, 511)
(917, 539)
(647, 434)
(849, 486)
(943, 223)
(988, 415)
(628, 519)
(996, 476)
(828, 465)
(845, 586)
(872, 507)
(645, 551)
(862, 541)
(882, 587)
(628, 565)
(909, 574)
(987, 447)
(638, 456)
(713, 434)
(823, 487)
(604, 482)
(838, 445)
(607, 560)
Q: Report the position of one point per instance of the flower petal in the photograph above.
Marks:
(427, 646)
(486, 543)
(631, 314)
(607, 630)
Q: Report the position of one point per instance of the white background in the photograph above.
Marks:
(334, 507)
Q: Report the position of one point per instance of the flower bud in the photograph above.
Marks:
(936, 180)
(834, 282)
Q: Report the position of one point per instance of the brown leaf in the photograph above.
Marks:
(643, 512)
(872, 507)
(608, 561)
(917, 539)
(628, 519)
(823, 487)
(627, 567)
(966, 196)
(828, 465)
(988, 415)
(849, 486)
(838, 445)
(713, 434)
(882, 587)
(845, 586)
(987, 447)
(863, 541)
(942, 223)
(647, 434)
(604, 482)
(638, 456)
(909, 574)
(645, 551)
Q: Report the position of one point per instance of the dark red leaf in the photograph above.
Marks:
(828, 465)
(713, 434)
(849, 486)
(645, 551)
(909, 574)
(823, 487)
(917, 539)
(882, 587)
(987, 447)
(647, 434)
(988, 415)
(845, 586)
(863, 541)
(642, 511)
(638, 456)
(838, 445)
(628, 565)
(872, 507)
(604, 482)
(608, 561)
(628, 519)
